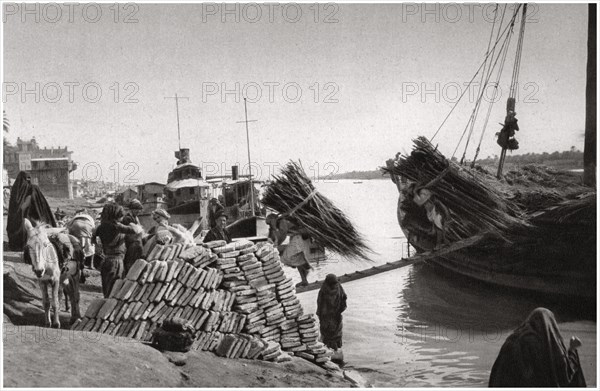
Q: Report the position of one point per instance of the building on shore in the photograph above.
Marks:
(50, 168)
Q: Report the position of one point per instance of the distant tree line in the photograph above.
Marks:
(570, 159)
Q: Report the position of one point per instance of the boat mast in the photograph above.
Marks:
(177, 110)
(511, 101)
(249, 161)
(589, 150)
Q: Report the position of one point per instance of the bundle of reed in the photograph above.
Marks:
(293, 195)
(474, 204)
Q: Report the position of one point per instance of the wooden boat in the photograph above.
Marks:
(552, 253)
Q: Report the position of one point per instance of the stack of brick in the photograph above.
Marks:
(236, 296)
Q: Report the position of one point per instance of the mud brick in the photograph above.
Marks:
(245, 292)
(214, 243)
(252, 274)
(249, 250)
(202, 320)
(287, 343)
(79, 324)
(246, 349)
(201, 277)
(270, 304)
(138, 311)
(224, 249)
(131, 332)
(109, 328)
(234, 277)
(255, 329)
(209, 273)
(305, 323)
(210, 321)
(248, 260)
(116, 288)
(210, 279)
(195, 315)
(274, 272)
(231, 271)
(205, 300)
(161, 274)
(147, 311)
(184, 273)
(217, 301)
(125, 286)
(242, 286)
(308, 330)
(258, 282)
(160, 254)
(287, 292)
(256, 347)
(289, 325)
(225, 322)
(271, 267)
(94, 307)
(216, 279)
(167, 253)
(276, 309)
(225, 345)
(98, 325)
(119, 315)
(90, 324)
(153, 267)
(164, 313)
(157, 286)
(188, 300)
(147, 292)
(285, 284)
(122, 328)
(290, 302)
(156, 273)
(257, 314)
(136, 270)
(306, 318)
(305, 356)
(193, 278)
(107, 308)
(161, 293)
(265, 287)
(231, 285)
(204, 262)
(294, 314)
(178, 268)
(272, 347)
(266, 302)
(174, 292)
(198, 297)
(181, 295)
(246, 299)
(269, 329)
(177, 313)
(177, 251)
(230, 254)
(246, 308)
(230, 300)
(170, 270)
(138, 293)
(133, 307)
(155, 251)
(219, 279)
(264, 294)
(226, 261)
(239, 325)
(115, 311)
(190, 275)
(186, 312)
(276, 279)
(156, 310)
(239, 346)
(216, 339)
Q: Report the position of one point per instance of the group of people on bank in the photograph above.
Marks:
(534, 355)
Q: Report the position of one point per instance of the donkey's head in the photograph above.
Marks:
(40, 249)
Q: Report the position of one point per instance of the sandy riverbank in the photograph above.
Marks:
(38, 357)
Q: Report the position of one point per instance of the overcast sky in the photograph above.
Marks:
(371, 78)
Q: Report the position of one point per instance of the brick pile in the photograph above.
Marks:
(236, 296)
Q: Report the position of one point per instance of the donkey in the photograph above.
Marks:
(45, 263)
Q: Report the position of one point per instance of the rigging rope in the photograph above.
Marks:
(482, 87)
(503, 53)
(504, 44)
(517, 66)
(473, 78)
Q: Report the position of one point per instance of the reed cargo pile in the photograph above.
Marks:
(474, 205)
(292, 194)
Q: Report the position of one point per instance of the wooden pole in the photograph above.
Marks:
(589, 151)
(249, 161)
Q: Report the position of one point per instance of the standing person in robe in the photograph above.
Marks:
(534, 355)
(219, 232)
(82, 226)
(133, 242)
(331, 302)
(296, 252)
(214, 208)
(112, 233)
(26, 201)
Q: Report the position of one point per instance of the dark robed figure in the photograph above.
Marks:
(331, 302)
(534, 355)
(26, 201)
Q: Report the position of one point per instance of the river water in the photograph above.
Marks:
(416, 326)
